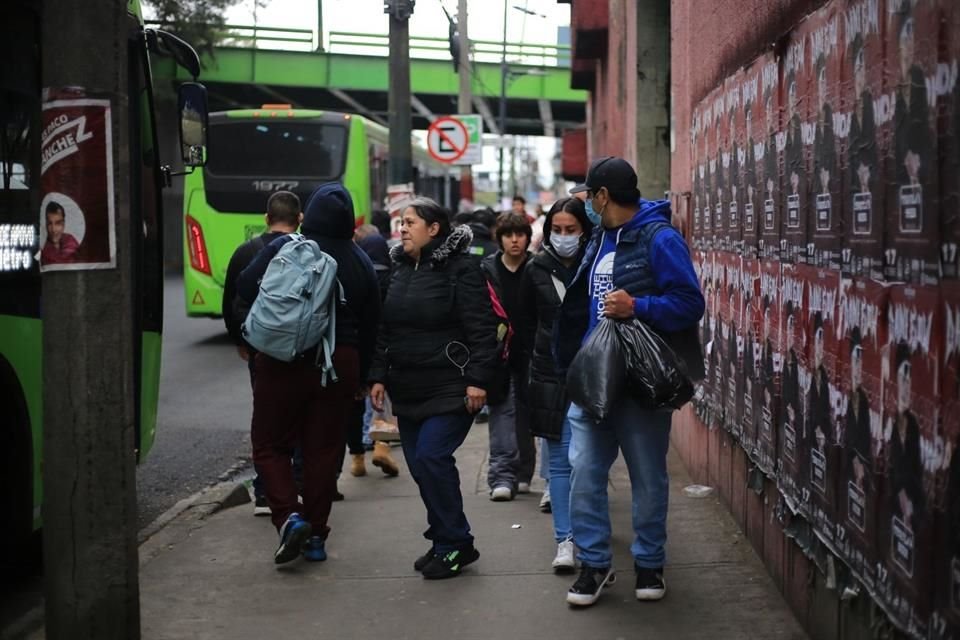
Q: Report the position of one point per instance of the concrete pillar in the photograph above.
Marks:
(653, 96)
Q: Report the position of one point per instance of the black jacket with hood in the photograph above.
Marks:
(438, 334)
(328, 220)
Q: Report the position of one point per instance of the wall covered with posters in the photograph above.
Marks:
(822, 180)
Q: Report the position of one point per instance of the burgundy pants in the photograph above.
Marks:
(290, 406)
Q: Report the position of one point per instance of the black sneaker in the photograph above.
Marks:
(589, 585)
(450, 564)
(261, 507)
(650, 584)
(424, 560)
(337, 496)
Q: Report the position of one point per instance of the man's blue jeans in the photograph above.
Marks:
(558, 452)
(428, 449)
(644, 438)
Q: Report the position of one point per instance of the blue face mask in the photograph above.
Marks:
(591, 214)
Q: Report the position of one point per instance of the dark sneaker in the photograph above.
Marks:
(261, 507)
(589, 585)
(315, 550)
(293, 534)
(424, 560)
(450, 564)
(337, 496)
(650, 584)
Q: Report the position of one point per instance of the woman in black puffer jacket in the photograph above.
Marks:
(436, 356)
(565, 233)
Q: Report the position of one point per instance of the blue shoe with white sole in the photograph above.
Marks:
(293, 534)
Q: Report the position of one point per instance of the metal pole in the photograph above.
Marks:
(320, 25)
(503, 97)
(464, 102)
(401, 152)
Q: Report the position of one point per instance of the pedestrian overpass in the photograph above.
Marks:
(256, 65)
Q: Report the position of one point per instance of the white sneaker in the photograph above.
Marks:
(523, 487)
(501, 494)
(545, 505)
(566, 561)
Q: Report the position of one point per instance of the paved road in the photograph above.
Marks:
(204, 415)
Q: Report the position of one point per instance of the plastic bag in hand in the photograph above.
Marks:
(597, 374)
(656, 377)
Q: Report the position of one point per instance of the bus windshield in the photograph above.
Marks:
(273, 149)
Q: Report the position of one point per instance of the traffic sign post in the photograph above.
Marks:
(456, 139)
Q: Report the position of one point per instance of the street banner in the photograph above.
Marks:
(697, 176)
(911, 410)
(913, 226)
(948, 82)
(732, 313)
(770, 365)
(732, 159)
(863, 330)
(719, 333)
(860, 131)
(792, 457)
(750, 330)
(796, 142)
(77, 225)
(770, 160)
(703, 263)
(752, 157)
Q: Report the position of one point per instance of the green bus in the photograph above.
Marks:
(21, 300)
(254, 152)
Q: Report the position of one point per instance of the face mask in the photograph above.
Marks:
(591, 214)
(566, 246)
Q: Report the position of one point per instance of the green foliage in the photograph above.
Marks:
(199, 22)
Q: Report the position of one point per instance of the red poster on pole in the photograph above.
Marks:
(77, 226)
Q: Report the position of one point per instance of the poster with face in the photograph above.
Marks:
(697, 168)
(948, 87)
(733, 347)
(724, 292)
(911, 406)
(768, 373)
(863, 316)
(715, 351)
(721, 171)
(703, 263)
(820, 365)
(708, 147)
(751, 353)
(825, 57)
(913, 226)
(947, 558)
(797, 90)
(794, 383)
(751, 158)
(733, 162)
(859, 128)
(770, 158)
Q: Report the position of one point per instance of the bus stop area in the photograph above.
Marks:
(212, 576)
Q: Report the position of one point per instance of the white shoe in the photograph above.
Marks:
(545, 505)
(523, 487)
(566, 561)
(501, 494)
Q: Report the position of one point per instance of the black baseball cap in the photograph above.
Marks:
(611, 172)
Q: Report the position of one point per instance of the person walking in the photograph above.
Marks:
(545, 281)
(283, 216)
(436, 353)
(293, 401)
(513, 454)
(635, 266)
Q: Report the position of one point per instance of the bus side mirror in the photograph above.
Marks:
(192, 101)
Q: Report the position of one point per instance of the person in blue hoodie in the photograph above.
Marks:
(635, 266)
(290, 402)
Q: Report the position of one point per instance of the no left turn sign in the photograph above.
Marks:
(447, 139)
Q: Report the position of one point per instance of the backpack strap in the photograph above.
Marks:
(329, 341)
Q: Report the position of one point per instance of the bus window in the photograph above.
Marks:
(277, 149)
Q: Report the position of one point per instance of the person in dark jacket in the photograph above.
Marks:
(283, 216)
(436, 356)
(545, 282)
(635, 266)
(481, 224)
(290, 401)
(513, 454)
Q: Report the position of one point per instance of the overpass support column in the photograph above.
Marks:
(653, 97)
(401, 169)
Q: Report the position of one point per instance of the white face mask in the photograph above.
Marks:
(565, 246)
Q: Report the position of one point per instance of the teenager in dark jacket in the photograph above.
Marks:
(545, 281)
(636, 266)
(283, 216)
(290, 401)
(436, 353)
(513, 455)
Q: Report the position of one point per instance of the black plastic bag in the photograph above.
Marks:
(656, 377)
(596, 378)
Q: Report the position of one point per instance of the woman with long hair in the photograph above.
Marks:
(436, 356)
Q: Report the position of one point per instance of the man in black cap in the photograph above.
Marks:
(636, 266)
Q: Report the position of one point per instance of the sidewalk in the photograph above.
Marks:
(217, 579)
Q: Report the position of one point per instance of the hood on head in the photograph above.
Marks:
(375, 247)
(329, 212)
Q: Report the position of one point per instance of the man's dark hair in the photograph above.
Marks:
(519, 198)
(283, 207)
(625, 198)
(486, 217)
(55, 207)
(509, 223)
(381, 220)
(430, 211)
(464, 217)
